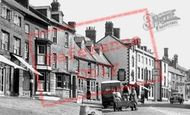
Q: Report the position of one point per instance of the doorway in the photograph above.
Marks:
(16, 82)
(74, 87)
(2, 80)
(97, 91)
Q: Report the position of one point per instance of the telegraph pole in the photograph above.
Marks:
(156, 74)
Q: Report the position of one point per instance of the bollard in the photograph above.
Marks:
(84, 110)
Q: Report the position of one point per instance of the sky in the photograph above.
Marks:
(173, 37)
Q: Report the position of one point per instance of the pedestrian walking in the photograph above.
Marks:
(133, 97)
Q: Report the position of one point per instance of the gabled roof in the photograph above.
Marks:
(100, 58)
(115, 38)
(90, 56)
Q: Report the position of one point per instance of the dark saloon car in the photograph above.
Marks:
(176, 98)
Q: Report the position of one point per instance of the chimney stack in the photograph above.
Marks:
(55, 5)
(91, 33)
(117, 32)
(108, 28)
(72, 24)
(176, 58)
(166, 52)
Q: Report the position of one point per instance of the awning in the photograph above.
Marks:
(8, 62)
(27, 65)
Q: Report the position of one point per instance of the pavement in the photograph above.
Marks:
(152, 109)
(149, 111)
(26, 106)
(22, 106)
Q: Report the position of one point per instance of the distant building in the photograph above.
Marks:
(163, 81)
(177, 75)
(145, 61)
(117, 53)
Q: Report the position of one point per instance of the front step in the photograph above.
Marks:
(46, 96)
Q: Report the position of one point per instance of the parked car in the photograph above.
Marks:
(176, 98)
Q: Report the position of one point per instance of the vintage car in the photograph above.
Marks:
(176, 98)
(106, 91)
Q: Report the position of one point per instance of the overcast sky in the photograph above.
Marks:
(174, 37)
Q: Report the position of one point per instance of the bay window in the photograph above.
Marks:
(41, 54)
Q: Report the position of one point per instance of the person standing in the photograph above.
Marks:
(142, 96)
(133, 97)
(125, 93)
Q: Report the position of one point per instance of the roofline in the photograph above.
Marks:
(113, 38)
(96, 60)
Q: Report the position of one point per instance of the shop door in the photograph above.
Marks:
(2, 79)
(16, 82)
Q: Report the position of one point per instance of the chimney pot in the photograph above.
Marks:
(72, 24)
(117, 32)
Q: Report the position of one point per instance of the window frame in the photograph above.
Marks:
(66, 40)
(17, 45)
(37, 32)
(17, 19)
(66, 63)
(27, 28)
(55, 35)
(41, 54)
(43, 34)
(54, 65)
(6, 41)
(26, 51)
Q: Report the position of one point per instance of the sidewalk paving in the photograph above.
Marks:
(24, 106)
